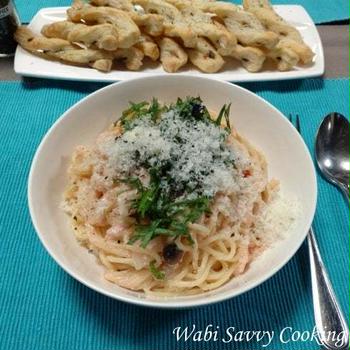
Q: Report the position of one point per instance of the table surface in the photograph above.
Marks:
(335, 39)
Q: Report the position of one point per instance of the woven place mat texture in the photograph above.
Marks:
(321, 11)
(42, 307)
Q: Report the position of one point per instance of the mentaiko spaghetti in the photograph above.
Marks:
(172, 200)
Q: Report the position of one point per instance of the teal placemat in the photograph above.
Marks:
(321, 11)
(43, 308)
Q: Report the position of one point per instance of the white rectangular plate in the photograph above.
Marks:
(29, 65)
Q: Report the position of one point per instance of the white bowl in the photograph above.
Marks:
(266, 128)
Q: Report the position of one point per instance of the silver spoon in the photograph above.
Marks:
(332, 151)
(332, 154)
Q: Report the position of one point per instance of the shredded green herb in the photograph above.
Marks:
(191, 108)
(224, 112)
(140, 110)
(161, 208)
(157, 274)
(166, 217)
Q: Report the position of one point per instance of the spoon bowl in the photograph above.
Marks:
(332, 150)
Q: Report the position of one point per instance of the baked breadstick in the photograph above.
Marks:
(202, 25)
(244, 25)
(103, 65)
(148, 47)
(128, 31)
(150, 23)
(174, 23)
(103, 36)
(63, 50)
(252, 58)
(205, 57)
(263, 10)
(303, 51)
(124, 5)
(172, 55)
(132, 57)
(290, 38)
(285, 58)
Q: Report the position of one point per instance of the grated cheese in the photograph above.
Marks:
(278, 218)
(197, 154)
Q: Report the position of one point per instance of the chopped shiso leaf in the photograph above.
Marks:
(224, 112)
(157, 274)
(140, 110)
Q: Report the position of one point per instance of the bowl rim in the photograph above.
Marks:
(169, 303)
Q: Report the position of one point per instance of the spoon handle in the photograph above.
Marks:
(345, 190)
(328, 316)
